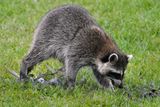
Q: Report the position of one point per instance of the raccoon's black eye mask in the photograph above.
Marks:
(114, 75)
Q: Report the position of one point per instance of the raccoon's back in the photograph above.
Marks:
(62, 24)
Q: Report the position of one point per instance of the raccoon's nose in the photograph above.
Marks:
(117, 83)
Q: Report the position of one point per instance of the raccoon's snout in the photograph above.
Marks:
(116, 79)
(117, 83)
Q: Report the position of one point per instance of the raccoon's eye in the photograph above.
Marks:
(113, 58)
(105, 59)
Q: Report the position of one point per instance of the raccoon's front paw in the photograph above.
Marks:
(107, 83)
(69, 84)
(23, 77)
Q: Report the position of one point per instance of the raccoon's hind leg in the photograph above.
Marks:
(71, 69)
(35, 56)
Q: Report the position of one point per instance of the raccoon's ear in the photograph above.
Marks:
(97, 29)
(113, 58)
(129, 57)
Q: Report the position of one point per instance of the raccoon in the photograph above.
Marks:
(70, 34)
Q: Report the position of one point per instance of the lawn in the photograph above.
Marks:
(135, 26)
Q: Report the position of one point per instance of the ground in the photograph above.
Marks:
(134, 25)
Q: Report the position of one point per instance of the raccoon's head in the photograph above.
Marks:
(113, 66)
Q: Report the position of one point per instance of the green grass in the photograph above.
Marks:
(135, 26)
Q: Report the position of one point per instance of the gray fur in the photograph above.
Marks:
(70, 34)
